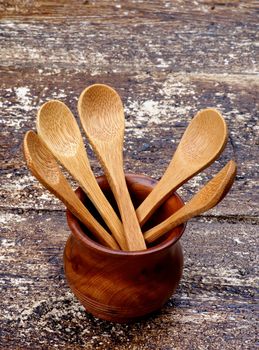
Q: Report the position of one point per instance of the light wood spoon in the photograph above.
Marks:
(202, 142)
(59, 130)
(44, 167)
(102, 116)
(209, 196)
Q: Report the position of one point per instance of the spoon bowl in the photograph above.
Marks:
(102, 114)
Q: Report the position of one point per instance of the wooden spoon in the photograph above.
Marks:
(44, 167)
(209, 196)
(102, 116)
(58, 128)
(203, 141)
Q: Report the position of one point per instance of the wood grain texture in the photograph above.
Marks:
(116, 10)
(102, 116)
(168, 60)
(124, 286)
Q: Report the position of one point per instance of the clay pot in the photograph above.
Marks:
(124, 286)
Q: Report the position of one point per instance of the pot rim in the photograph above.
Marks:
(74, 225)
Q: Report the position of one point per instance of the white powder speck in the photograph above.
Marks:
(22, 94)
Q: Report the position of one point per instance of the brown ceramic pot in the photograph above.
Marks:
(124, 286)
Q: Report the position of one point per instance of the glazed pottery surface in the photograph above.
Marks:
(122, 286)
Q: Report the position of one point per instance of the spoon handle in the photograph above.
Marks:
(88, 182)
(209, 196)
(73, 203)
(132, 231)
(162, 191)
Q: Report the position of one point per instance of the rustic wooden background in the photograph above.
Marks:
(167, 59)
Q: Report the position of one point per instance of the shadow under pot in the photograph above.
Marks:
(122, 286)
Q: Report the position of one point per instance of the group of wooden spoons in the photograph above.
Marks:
(102, 116)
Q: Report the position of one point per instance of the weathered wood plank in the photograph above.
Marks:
(215, 303)
(131, 11)
(158, 109)
(181, 45)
